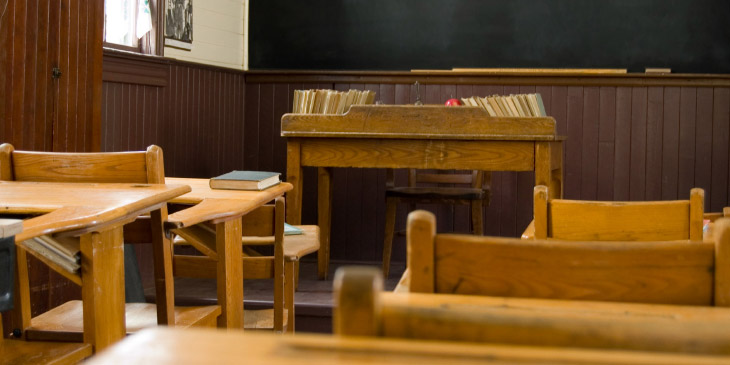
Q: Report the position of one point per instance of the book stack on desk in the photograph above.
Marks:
(329, 101)
(522, 105)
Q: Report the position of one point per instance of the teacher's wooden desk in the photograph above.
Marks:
(164, 346)
(96, 213)
(224, 209)
(421, 137)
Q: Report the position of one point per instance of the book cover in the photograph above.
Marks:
(290, 230)
(245, 180)
(70, 264)
(541, 105)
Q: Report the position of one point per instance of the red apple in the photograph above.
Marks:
(452, 102)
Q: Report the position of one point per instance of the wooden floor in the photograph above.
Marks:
(313, 299)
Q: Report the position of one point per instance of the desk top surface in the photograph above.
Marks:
(218, 204)
(79, 206)
(206, 346)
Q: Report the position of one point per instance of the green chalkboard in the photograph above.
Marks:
(688, 36)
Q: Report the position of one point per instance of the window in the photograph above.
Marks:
(132, 25)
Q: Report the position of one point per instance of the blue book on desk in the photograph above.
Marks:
(245, 180)
(291, 230)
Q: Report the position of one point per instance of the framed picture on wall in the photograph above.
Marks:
(179, 24)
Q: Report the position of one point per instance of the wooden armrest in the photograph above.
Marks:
(529, 232)
(214, 210)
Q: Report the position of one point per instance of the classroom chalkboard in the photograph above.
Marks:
(688, 36)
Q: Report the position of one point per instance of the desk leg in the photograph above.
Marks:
(102, 292)
(324, 219)
(556, 182)
(548, 167)
(294, 177)
(230, 273)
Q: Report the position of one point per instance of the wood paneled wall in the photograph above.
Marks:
(40, 112)
(632, 137)
(194, 112)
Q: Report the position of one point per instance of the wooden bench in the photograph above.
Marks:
(667, 272)
(363, 309)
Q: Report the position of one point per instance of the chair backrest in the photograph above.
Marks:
(107, 167)
(362, 308)
(618, 221)
(668, 272)
(475, 179)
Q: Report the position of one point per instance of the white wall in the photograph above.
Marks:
(218, 34)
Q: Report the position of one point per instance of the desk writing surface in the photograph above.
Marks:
(205, 346)
(76, 206)
(218, 204)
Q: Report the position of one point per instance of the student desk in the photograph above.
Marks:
(97, 213)
(224, 208)
(421, 137)
(206, 346)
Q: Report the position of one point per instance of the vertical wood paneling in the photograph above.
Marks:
(703, 142)
(654, 132)
(606, 142)
(637, 184)
(670, 143)
(720, 152)
(589, 143)
(622, 149)
(573, 148)
(687, 135)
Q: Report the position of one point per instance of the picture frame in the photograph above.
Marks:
(179, 24)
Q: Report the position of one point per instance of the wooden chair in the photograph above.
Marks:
(616, 221)
(362, 308)
(262, 227)
(19, 351)
(474, 189)
(679, 272)
(65, 323)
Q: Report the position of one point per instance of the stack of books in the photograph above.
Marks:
(329, 101)
(522, 105)
(63, 251)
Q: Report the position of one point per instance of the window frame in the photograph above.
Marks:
(153, 42)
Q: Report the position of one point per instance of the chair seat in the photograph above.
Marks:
(435, 193)
(261, 319)
(26, 352)
(296, 246)
(65, 322)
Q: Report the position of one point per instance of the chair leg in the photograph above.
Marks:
(296, 275)
(477, 219)
(290, 270)
(390, 209)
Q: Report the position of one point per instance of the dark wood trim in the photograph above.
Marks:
(134, 68)
(95, 60)
(131, 58)
(471, 78)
